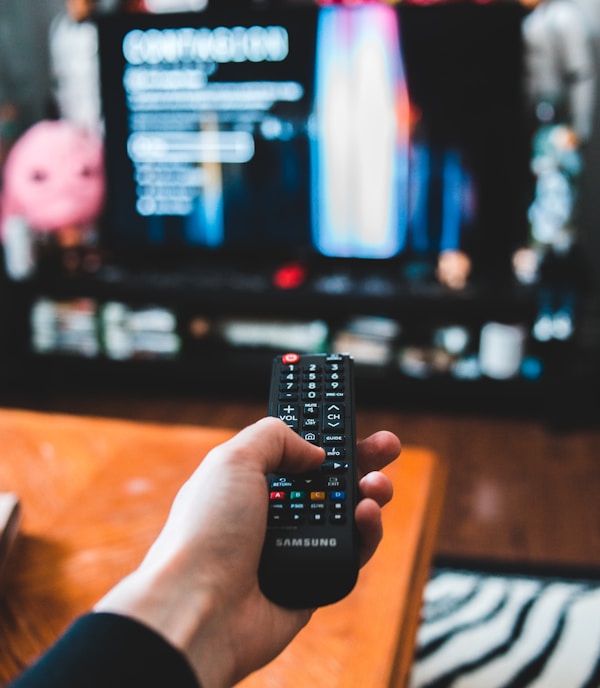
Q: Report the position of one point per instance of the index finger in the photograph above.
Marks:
(377, 451)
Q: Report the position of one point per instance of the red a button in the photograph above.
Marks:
(277, 496)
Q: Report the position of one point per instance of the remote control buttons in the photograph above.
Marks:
(290, 358)
(333, 467)
(311, 401)
(293, 500)
(288, 413)
(333, 417)
(310, 436)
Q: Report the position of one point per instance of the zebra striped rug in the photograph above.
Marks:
(508, 631)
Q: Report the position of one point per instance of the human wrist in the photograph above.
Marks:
(185, 616)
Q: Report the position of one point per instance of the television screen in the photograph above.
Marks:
(361, 132)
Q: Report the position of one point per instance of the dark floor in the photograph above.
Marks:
(519, 492)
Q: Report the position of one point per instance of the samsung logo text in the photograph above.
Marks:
(306, 542)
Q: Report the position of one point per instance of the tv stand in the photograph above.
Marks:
(129, 327)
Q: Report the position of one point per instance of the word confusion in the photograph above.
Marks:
(221, 44)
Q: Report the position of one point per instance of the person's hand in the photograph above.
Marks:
(198, 586)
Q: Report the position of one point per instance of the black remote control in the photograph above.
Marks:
(310, 555)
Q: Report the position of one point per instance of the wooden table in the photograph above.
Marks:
(95, 493)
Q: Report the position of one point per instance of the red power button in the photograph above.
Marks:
(289, 359)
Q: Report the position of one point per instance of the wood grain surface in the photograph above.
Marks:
(96, 491)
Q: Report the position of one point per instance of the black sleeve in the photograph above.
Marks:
(102, 649)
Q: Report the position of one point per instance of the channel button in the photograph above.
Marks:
(333, 417)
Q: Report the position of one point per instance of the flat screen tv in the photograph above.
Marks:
(359, 133)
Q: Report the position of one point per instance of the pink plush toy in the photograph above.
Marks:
(53, 183)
